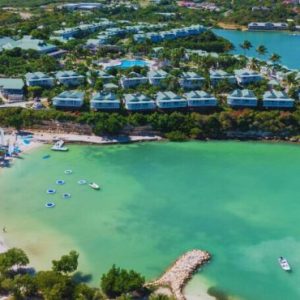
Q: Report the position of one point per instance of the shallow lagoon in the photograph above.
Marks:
(286, 44)
(237, 200)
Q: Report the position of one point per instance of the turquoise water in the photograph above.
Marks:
(239, 201)
(125, 64)
(285, 44)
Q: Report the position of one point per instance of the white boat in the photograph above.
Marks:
(94, 186)
(59, 146)
(284, 264)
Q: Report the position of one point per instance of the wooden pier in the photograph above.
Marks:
(181, 271)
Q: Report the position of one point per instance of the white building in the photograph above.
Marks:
(242, 98)
(191, 80)
(200, 99)
(169, 100)
(138, 102)
(104, 101)
(277, 99)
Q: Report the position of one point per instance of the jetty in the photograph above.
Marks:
(176, 276)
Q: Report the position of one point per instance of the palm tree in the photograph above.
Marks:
(246, 46)
(261, 50)
(275, 58)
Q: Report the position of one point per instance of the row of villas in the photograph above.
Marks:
(172, 34)
(191, 80)
(66, 34)
(105, 37)
(187, 80)
(136, 101)
(268, 26)
(171, 101)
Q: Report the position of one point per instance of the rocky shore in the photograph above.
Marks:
(181, 271)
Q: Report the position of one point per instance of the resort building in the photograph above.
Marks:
(69, 78)
(242, 98)
(73, 32)
(267, 26)
(104, 101)
(68, 99)
(219, 75)
(245, 76)
(12, 89)
(81, 6)
(191, 81)
(39, 79)
(132, 80)
(169, 100)
(98, 42)
(27, 43)
(172, 34)
(200, 99)
(138, 102)
(157, 76)
(277, 99)
(104, 76)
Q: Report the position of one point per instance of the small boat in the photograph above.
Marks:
(46, 156)
(50, 204)
(59, 146)
(284, 264)
(94, 186)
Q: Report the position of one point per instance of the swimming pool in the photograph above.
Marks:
(129, 63)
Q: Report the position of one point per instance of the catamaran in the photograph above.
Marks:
(284, 264)
(59, 146)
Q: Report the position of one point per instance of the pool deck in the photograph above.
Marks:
(181, 271)
(116, 63)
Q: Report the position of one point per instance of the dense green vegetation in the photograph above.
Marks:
(64, 282)
(175, 125)
(19, 62)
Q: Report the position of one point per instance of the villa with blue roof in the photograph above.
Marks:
(69, 99)
(191, 81)
(169, 100)
(200, 99)
(242, 98)
(277, 99)
(104, 101)
(39, 79)
(219, 75)
(138, 102)
(245, 76)
(132, 80)
(157, 76)
(12, 89)
(69, 78)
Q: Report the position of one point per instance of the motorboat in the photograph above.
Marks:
(284, 264)
(94, 186)
(59, 146)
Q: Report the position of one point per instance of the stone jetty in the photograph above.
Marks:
(181, 271)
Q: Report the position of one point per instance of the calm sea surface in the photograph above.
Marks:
(285, 44)
(240, 201)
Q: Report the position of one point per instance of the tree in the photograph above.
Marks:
(67, 263)
(261, 50)
(119, 281)
(54, 286)
(13, 257)
(275, 58)
(246, 45)
(99, 84)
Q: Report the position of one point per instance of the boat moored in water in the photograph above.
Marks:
(59, 146)
(94, 186)
(284, 264)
